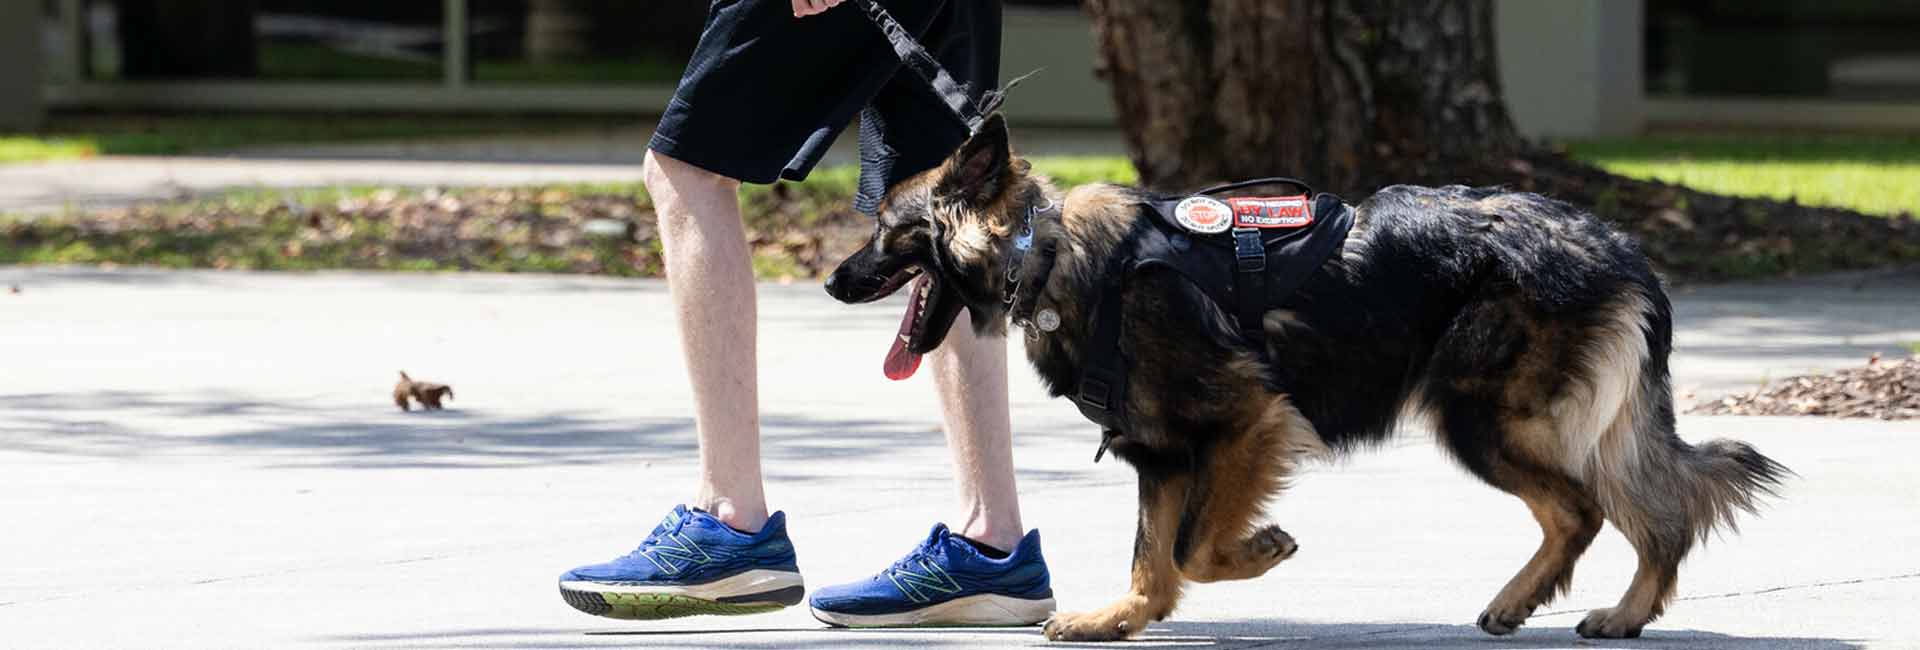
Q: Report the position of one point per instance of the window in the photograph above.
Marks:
(143, 40)
(583, 41)
(1839, 49)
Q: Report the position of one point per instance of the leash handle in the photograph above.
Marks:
(913, 55)
(1259, 181)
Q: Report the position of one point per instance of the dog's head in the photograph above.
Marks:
(947, 230)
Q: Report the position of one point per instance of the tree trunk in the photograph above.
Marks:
(556, 30)
(1355, 95)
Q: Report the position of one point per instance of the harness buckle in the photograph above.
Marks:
(1095, 392)
(1249, 253)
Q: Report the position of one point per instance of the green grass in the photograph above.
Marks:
(28, 148)
(70, 136)
(1874, 174)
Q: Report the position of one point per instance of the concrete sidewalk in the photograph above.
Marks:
(202, 459)
(601, 156)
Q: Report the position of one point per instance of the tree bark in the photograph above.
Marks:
(1355, 95)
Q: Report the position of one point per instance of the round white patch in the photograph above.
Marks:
(1047, 320)
(1203, 215)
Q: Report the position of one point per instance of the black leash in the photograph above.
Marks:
(952, 93)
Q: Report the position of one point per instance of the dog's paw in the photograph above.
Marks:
(1273, 543)
(1501, 620)
(1606, 623)
(1102, 625)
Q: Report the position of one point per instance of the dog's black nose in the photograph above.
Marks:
(833, 285)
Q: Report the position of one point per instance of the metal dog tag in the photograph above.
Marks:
(1047, 319)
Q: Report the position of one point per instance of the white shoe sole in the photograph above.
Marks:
(981, 610)
(730, 588)
(750, 592)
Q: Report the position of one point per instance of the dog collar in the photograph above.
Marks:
(1029, 263)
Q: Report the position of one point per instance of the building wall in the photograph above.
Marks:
(1568, 67)
(1058, 43)
(20, 46)
(1571, 67)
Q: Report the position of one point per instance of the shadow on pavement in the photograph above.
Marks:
(1222, 634)
(135, 424)
(462, 283)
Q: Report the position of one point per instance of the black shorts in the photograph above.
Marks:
(766, 93)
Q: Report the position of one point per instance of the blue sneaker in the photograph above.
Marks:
(945, 582)
(691, 564)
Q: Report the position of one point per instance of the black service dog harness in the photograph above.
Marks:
(1246, 254)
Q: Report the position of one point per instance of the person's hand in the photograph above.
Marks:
(804, 8)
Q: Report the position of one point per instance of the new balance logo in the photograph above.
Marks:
(922, 586)
(673, 552)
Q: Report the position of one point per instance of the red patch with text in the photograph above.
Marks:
(1271, 211)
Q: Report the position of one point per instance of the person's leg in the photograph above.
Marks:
(971, 374)
(733, 558)
(710, 281)
(984, 571)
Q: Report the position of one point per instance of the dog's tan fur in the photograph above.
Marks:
(1549, 383)
(427, 393)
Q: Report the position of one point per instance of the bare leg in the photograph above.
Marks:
(971, 373)
(710, 278)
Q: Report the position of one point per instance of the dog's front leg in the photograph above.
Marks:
(1156, 581)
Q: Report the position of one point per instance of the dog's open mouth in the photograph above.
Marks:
(903, 358)
(930, 313)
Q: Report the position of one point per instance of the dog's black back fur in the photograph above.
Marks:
(1532, 338)
(1430, 308)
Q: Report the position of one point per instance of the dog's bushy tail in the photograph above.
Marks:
(1677, 494)
(1662, 492)
(1729, 477)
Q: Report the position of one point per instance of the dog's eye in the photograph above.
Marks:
(905, 239)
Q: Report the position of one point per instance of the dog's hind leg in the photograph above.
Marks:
(1569, 519)
(1506, 449)
(1663, 493)
(1156, 581)
(1496, 375)
(1217, 541)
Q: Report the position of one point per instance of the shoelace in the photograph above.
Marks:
(912, 561)
(654, 539)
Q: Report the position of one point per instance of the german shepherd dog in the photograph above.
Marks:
(1531, 337)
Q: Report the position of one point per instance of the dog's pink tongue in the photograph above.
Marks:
(902, 363)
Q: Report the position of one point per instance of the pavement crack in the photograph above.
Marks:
(1270, 643)
(1768, 590)
(1350, 635)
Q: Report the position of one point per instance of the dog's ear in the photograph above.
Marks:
(978, 172)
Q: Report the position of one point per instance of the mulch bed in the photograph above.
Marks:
(551, 230)
(1885, 390)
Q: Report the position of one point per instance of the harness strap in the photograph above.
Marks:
(1319, 248)
(1228, 187)
(1102, 397)
(1250, 281)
